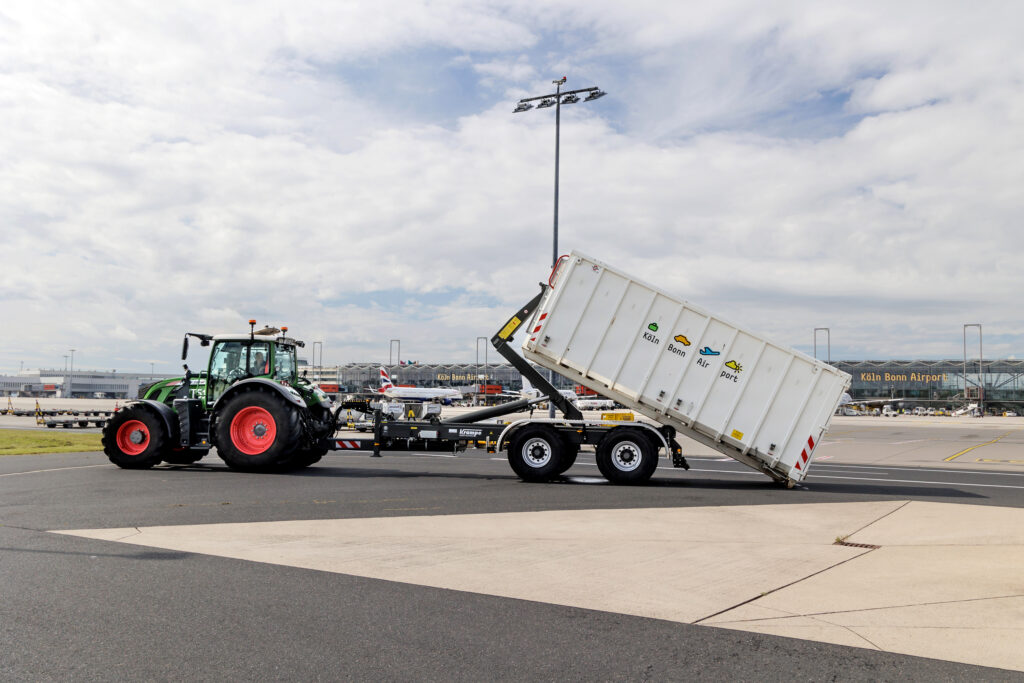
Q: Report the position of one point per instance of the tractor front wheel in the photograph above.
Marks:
(257, 430)
(135, 438)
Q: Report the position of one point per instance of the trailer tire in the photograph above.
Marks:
(537, 453)
(257, 430)
(571, 450)
(627, 456)
(135, 439)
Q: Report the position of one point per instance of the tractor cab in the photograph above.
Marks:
(238, 357)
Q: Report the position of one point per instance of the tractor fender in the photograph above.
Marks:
(165, 413)
(289, 394)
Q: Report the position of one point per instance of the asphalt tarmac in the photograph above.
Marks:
(76, 608)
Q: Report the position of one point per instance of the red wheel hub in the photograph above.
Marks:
(132, 437)
(253, 430)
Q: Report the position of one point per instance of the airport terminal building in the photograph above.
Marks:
(929, 383)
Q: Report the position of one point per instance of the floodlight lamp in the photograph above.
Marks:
(571, 98)
(522, 106)
(549, 102)
(595, 95)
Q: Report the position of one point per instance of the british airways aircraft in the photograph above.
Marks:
(415, 393)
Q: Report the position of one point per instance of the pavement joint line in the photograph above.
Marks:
(779, 588)
(918, 481)
(877, 609)
(851, 630)
(891, 512)
(968, 450)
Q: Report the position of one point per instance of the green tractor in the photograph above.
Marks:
(250, 404)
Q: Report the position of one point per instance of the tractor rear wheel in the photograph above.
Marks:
(257, 430)
(135, 438)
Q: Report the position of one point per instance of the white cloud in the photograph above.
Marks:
(165, 170)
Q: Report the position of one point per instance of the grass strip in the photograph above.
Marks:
(35, 441)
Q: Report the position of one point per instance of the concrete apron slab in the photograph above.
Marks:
(767, 568)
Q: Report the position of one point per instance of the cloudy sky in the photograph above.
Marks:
(354, 170)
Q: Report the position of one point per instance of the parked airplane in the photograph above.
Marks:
(444, 395)
(850, 406)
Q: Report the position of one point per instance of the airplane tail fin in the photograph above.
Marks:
(385, 380)
(527, 387)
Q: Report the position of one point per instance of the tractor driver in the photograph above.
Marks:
(259, 364)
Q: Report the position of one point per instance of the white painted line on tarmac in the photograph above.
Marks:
(917, 481)
(437, 455)
(860, 467)
(55, 469)
(928, 469)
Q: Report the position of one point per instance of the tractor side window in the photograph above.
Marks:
(259, 359)
(284, 366)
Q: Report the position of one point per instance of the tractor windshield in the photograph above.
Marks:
(284, 363)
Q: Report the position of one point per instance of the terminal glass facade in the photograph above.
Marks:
(938, 383)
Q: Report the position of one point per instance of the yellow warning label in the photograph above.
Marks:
(617, 417)
(510, 327)
(737, 434)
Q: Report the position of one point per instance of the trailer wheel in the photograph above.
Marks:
(571, 450)
(257, 430)
(135, 439)
(537, 453)
(627, 456)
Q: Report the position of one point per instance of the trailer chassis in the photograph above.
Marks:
(538, 448)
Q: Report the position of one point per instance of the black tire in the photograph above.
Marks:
(627, 456)
(257, 430)
(537, 453)
(571, 450)
(135, 438)
(183, 457)
(305, 457)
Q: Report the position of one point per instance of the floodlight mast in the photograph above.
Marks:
(557, 99)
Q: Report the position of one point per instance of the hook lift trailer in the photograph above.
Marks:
(539, 449)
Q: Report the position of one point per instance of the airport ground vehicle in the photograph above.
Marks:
(250, 403)
(688, 371)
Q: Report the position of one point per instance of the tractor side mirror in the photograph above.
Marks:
(184, 348)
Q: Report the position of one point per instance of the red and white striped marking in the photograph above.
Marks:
(341, 443)
(542, 316)
(805, 453)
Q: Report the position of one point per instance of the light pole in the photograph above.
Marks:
(828, 340)
(556, 100)
(981, 376)
(317, 367)
(71, 377)
(391, 346)
(151, 364)
(478, 375)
